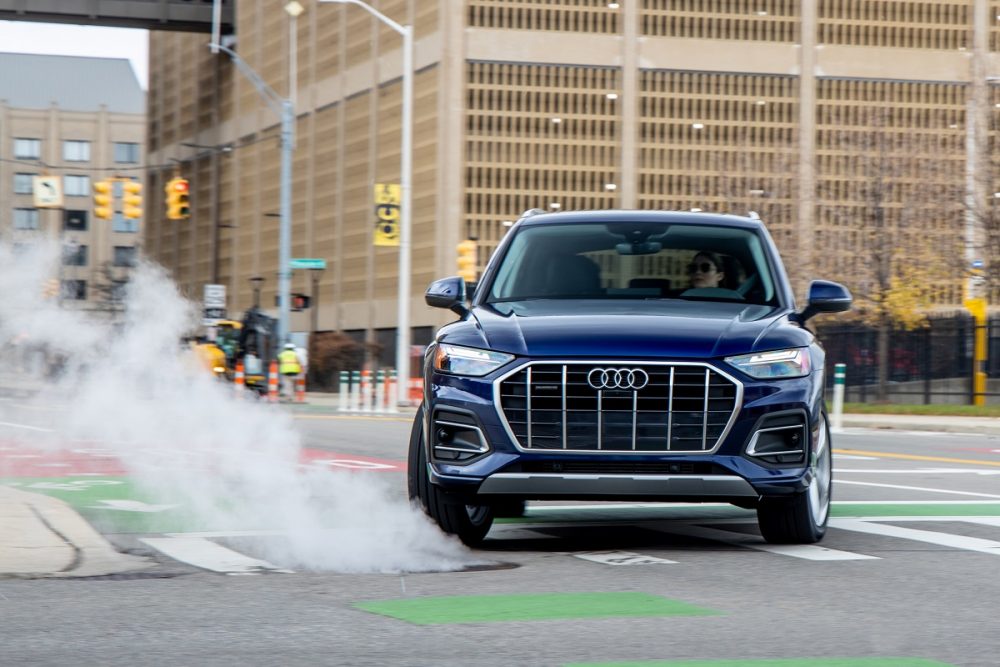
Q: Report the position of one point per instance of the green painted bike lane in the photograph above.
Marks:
(117, 504)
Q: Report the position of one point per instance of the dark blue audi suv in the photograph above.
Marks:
(623, 355)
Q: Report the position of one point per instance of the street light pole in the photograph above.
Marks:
(285, 110)
(406, 212)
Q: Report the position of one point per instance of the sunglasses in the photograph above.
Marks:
(701, 267)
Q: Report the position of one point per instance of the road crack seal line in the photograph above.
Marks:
(77, 552)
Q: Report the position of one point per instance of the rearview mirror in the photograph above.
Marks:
(447, 293)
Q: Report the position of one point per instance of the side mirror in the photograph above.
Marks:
(447, 293)
(826, 297)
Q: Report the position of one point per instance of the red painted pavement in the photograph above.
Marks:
(21, 461)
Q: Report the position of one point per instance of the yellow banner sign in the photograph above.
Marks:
(387, 214)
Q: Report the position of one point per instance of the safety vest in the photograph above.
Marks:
(289, 363)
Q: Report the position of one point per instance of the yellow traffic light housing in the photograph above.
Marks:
(178, 203)
(467, 262)
(103, 200)
(132, 199)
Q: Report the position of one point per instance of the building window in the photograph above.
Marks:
(23, 184)
(30, 149)
(124, 255)
(25, 218)
(76, 186)
(118, 290)
(74, 254)
(75, 290)
(76, 221)
(126, 152)
(122, 224)
(76, 151)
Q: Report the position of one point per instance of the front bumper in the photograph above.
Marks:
(503, 468)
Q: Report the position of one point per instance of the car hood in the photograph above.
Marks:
(631, 329)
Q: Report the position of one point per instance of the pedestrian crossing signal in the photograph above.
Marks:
(178, 204)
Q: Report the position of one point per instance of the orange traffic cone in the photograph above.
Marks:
(300, 388)
(272, 382)
(238, 380)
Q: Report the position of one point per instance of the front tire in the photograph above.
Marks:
(802, 518)
(470, 523)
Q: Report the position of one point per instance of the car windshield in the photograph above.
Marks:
(635, 260)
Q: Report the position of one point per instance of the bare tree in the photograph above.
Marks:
(894, 191)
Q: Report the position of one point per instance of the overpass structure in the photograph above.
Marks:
(178, 15)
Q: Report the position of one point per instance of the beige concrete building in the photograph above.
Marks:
(83, 120)
(858, 129)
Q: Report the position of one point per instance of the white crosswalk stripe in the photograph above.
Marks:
(877, 527)
(208, 555)
(201, 550)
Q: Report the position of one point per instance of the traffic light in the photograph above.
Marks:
(178, 205)
(132, 199)
(103, 200)
(467, 264)
(300, 301)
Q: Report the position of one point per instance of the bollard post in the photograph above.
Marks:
(355, 391)
(300, 388)
(391, 392)
(342, 392)
(272, 382)
(366, 391)
(380, 390)
(839, 377)
(238, 380)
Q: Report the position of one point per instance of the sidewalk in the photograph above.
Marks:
(41, 536)
(938, 423)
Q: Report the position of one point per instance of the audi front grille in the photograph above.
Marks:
(619, 406)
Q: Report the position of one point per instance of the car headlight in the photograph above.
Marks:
(468, 360)
(792, 363)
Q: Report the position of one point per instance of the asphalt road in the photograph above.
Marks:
(909, 570)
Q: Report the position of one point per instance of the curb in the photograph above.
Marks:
(43, 537)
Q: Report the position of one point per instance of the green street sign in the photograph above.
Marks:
(304, 263)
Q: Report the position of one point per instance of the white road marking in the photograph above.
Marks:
(208, 555)
(806, 551)
(917, 488)
(26, 427)
(622, 558)
(930, 537)
(130, 506)
(919, 471)
(230, 533)
(934, 501)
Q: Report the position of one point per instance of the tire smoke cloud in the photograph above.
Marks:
(124, 383)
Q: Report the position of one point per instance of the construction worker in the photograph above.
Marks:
(289, 368)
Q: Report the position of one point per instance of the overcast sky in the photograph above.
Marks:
(77, 40)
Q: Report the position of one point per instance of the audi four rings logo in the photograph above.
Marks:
(618, 378)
